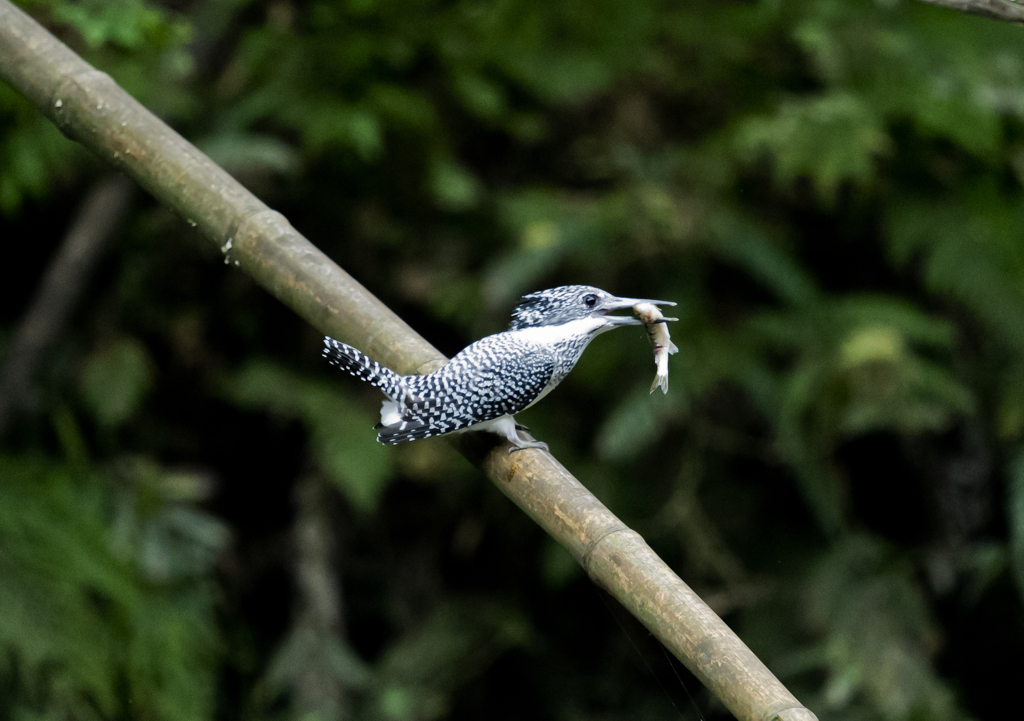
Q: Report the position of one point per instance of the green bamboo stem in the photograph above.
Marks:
(90, 108)
(1008, 10)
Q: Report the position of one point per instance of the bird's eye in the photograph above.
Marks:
(590, 300)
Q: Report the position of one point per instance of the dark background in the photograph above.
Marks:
(196, 521)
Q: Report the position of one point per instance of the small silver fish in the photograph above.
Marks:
(656, 326)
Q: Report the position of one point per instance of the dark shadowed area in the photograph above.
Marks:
(196, 521)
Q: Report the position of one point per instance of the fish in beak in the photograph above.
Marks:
(606, 307)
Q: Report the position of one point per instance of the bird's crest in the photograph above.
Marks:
(555, 306)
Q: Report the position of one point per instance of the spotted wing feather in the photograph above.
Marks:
(496, 376)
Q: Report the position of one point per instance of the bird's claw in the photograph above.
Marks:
(538, 446)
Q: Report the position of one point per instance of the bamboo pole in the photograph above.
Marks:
(1008, 10)
(90, 108)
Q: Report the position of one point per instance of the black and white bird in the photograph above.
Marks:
(485, 385)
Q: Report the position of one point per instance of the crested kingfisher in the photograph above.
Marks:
(488, 382)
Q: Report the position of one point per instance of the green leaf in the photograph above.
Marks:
(743, 243)
(86, 629)
(636, 424)
(55, 560)
(326, 123)
(880, 637)
(968, 249)
(453, 644)
(453, 187)
(341, 433)
(830, 139)
(479, 95)
(115, 380)
(249, 152)
(127, 23)
(345, 446)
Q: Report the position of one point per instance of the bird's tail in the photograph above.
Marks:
(348, 358)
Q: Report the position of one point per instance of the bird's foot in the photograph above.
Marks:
(523, 445)
(521, 427)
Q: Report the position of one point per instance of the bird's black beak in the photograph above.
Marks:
(621, 303)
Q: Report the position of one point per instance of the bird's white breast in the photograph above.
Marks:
(555, 335)
(566, 341)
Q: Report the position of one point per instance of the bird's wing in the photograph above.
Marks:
(499, 375)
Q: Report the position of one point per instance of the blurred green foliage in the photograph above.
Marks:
(333, 423)
(830, 189)
(115, 381)
(107, 604)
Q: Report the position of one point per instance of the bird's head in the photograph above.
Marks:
(568, 303)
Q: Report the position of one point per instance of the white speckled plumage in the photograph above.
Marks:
(486, 384)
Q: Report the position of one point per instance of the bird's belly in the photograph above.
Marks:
(390, 413)
(502, 425)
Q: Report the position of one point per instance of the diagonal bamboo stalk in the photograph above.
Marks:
(90, 108)
(1008, 10)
